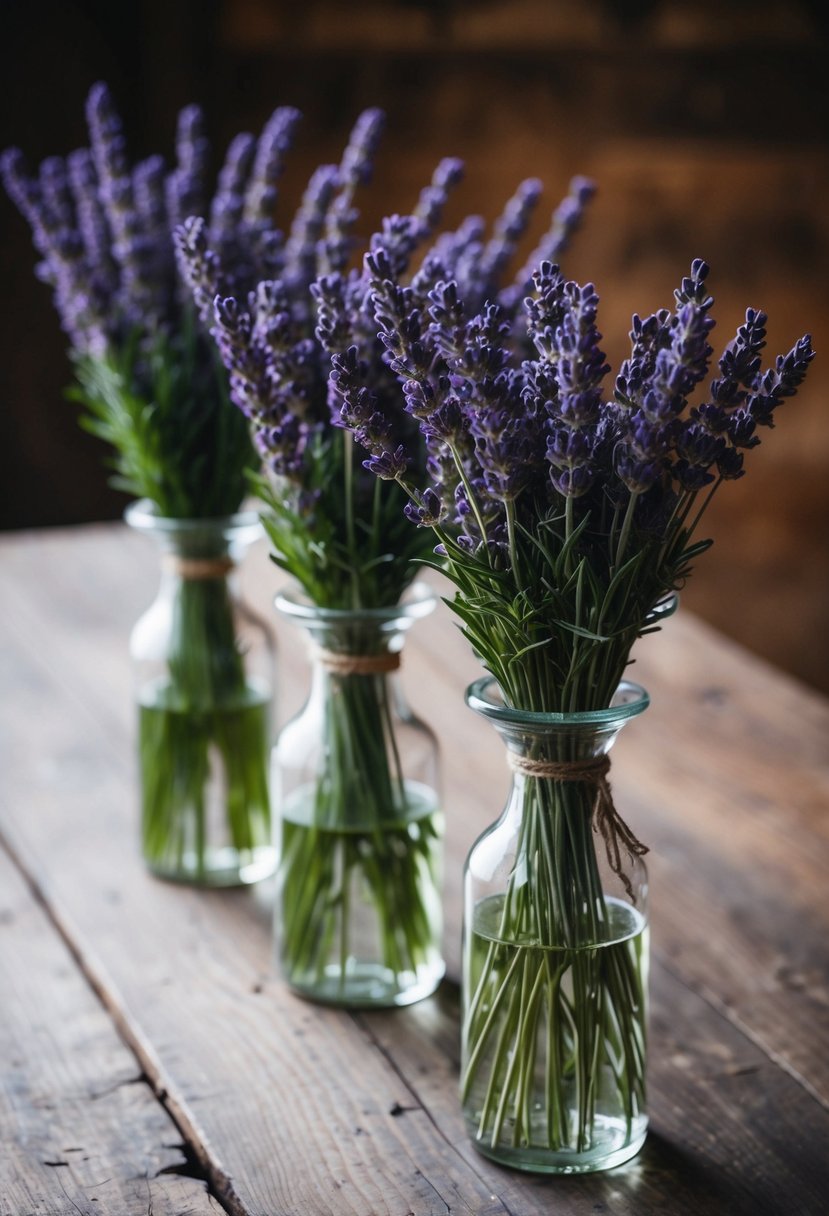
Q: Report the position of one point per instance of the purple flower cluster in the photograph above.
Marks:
(103, 227)
(670, 357)
(514, 440)
(277, 340)
(316, 313)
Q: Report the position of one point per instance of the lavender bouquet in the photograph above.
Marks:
(566, 522)
(357, 832)
(155, 391)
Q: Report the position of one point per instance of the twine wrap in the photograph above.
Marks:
(193, 568)
(607, 821)
(357, 664)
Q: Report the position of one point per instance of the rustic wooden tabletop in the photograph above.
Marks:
(152, 1062)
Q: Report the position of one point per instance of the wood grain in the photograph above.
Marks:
(81, 1130)
(292, 1108)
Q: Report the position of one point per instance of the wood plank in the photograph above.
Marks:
(727, 778)
(730, 1132)
(269, 1090)
(79, 1124)
(712, 913)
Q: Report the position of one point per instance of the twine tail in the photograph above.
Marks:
(615, 832)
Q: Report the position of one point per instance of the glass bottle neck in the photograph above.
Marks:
(553, 747)
(356, 643)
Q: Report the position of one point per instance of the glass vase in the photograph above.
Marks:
(555, 966)
(203, 666)
(358, 908)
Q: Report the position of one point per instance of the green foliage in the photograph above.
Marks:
(345, 539)
(554, 615)
(177, 440)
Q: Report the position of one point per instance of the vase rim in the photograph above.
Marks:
(143, 516)
(419, 600)
(629, 700)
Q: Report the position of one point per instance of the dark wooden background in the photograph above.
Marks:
(704, 125)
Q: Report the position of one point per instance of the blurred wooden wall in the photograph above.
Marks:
(704, 125)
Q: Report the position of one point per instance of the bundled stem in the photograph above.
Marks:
(358, 866)
(203, 723)
(554, 1026)
(369, 837)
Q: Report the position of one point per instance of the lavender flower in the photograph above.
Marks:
(92, 223)
(307, 227)
(509, 228)
(268, 164)
(102, 227)
(489, 420)
(185, 189)
(79, 297)
(198, 265)
(131, 248)
(433, 197)
(566, 220)
(355, 170)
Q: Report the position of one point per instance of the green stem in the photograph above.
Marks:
(554, 978)
(627, 523)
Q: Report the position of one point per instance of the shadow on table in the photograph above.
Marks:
(663, 1171)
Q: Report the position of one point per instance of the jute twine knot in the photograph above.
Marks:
(607, 821)
(357, 664)
(197, 567)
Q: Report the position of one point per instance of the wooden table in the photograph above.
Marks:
(152, 1062)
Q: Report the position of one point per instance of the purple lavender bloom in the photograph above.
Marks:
(692, 290)
(79, 298)
(567, 218)
(398, 238)
(647, 338)
(780, 382)
(483, 355)
(334, 324)
(92, 222)
(509, 228)
(740, 361)
(358, 413)
(565, 382)
(448, 319)
(670, 354)
(198, 266)
(229, 200)
(308, 226)
(355, 170)
(400, 321)
(131, 250)
(148, 192)
(268, 164)
(426, 509)
(433, 197)
(545, 309)
(454, 257)
(640, 458)
(185, 190)
(267, 366)
(740, 428)
(697, 450)
(571, 455)
(730, 465)
(245, 361)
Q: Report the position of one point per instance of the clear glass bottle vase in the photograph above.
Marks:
(203, 666)
(359, 830)
(555, 967)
